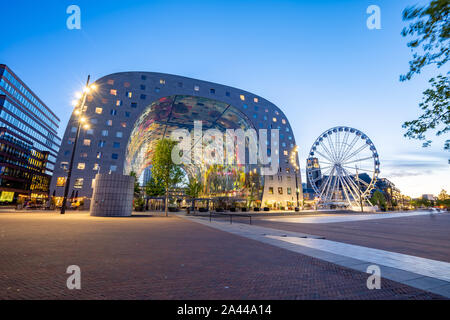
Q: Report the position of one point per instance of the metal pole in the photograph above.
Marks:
(359, 191)
(69, 172)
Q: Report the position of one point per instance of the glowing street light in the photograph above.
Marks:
(82, 121)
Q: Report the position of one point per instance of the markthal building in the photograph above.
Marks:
(130, 112)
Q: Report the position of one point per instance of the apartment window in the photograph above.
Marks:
(90, 132)
(115, 156)
(119, 134)
(245, 106)
(114, 112)
(99, 155)
(111, 82)
(81, 166)
(66, 153)
(256, 100)
(101, 144)
(94, 121)
(143, 96)
(61, 181)
(64, 166)
(162, 81)
(227, 94)
(286, 153)
(83, 155)
(274, 119)
(104, 101)
(96, 167)
(104, 133)
(87, 142)
(123, 124)
(98, 110)
(271, 190)
(212, 91)
(73, 129)
(283, 121)
(109, 123)
(134, 105)
(116, 145)
(119, 103)
(289, 190)
(144, 77)
(113, 92)
(78, 183)
(196, 88)
(256, 108)
(143, 87)
(157, 90)
(242, 97)
(127, 114)
(289, 178)
(113, 168)
(280, 190)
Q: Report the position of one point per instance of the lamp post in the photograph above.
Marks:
(296, 171)
(79, 110)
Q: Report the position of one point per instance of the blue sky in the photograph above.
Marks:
(316, 60)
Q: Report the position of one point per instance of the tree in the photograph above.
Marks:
(164, 169)
(194, 188)
(430, 32)
(154, 188)
(379, 199)
(443, 195)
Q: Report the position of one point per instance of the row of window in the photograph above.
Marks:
(280, 190)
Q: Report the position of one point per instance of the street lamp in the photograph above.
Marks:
(296, 171)
(79, 110)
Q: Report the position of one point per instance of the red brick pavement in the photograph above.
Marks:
(423, 236)
(164, 258)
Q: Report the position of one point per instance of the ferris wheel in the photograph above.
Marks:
(342, 167)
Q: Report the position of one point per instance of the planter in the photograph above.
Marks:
(256, 209)
(297, 209)
(266, 209)
(244, 209)
(233, 210)
(172, 209)
(220, 210)
(203, 210)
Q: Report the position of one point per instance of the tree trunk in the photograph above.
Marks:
(167, 202)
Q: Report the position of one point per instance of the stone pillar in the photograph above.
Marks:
(113, 195)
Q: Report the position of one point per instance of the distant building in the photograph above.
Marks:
(428, 197)
(28, 141)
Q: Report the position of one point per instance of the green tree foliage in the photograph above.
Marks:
(154, 188)
(164, 169)
(137, 188)
(194, 188)
(378, 199)
(430, 43)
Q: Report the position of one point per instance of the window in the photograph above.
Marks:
(286, 153)
(71, 140)
(157, 90)
(143, 77)
(271, 190)
(83, 155)
(196, 88)
(111, 82)
(280, 190)
(94, 121)
(274, 119)
(81, 166)
(119, 134)
(126, 84)
(109, 123)
(127, 114)
(66, 153)
(104, 101)
(98, 110)
(283, 121)
(73, 129)
(61, 181)
(162, 81)
(96, 167)
(104, 133)
(101, 144)
(123, 124)
(115, 156)
(143, 96)
(119, 103)
(116, 145)
(142, 87)
(245, 106)
(242, 97)
(180, 84)
(99, 155)
(78, 183)
(256, 108)
(256, 100)
(113, 168)
(90, 132)
(270, 178)
(289, 190)
(227, 94)
(113, 92)
(64, 166)
(114, 112)
(212, 91)
(134, 105)
(87, 142)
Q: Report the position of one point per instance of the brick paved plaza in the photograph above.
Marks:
(164, 258)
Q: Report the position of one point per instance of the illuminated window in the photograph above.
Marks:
(162, 81)
(119, 103)
(81, 166)
(113, 168)
(98, 110)
(289, 190)
(109, 123)
(99, 155)
(90, 98)
(285, 152)
(196, 88)
(271, 190)
(61, 181)
(104, 133)
(83, 155)
(101, 144)
(74, 129)
(113, 92)
(87, 142)
(274, 119)
(78, 183)
(119, 134)
(123, 124)
(242, 97)
(65, 166)
(280, 190)
(256, 100)
(96, 167)
(283, 121)
(111, 82)
(129, 94)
